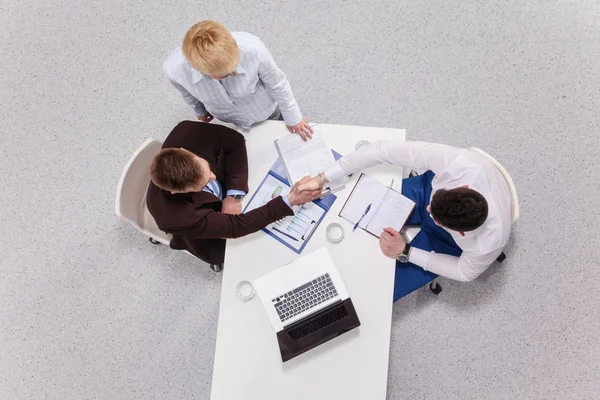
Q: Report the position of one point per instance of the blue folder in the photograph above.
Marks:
(325, 203)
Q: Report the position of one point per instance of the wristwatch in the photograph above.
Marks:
(403, 257)
(237, 196)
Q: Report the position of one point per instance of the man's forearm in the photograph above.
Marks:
(420, 155)
(225, 226)
(465, 268)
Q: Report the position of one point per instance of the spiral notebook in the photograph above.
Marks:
(388, 208)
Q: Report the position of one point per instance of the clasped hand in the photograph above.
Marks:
(303, 192)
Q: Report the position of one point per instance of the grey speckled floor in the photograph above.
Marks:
(90, 310)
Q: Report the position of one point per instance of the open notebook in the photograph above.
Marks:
(389, 209)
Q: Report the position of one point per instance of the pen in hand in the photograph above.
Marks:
(361, 218)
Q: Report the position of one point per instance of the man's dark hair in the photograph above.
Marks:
(460, 209)
(175, 170)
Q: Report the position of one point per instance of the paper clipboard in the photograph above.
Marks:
(315, 212)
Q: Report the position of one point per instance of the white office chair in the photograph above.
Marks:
(130, 204)
(514, 199)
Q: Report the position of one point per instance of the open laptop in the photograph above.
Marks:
(307, 303)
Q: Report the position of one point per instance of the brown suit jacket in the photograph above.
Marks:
(195, 219)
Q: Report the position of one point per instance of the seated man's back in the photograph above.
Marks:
(463, 205)
(480, 174)
(201, 169)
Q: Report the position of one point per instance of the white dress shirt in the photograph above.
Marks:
(247, 98)
(453, 168)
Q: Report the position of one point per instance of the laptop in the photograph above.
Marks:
(307, 303)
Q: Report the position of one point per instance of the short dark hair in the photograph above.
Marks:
(175, 170)
(460, 209)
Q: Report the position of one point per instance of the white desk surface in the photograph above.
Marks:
(354, 365)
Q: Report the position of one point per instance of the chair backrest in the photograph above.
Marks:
(130, 203)
(514, 199)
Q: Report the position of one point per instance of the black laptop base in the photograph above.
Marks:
(317, 329)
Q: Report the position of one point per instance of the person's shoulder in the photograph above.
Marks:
(172, 214)
(248, 42)
(480, 159)
(201, 127)
(192, 133)
(186, 133)
(175, 62)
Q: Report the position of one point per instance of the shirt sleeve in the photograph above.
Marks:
(196, 104)
(233, 192)
(420, 155)
(216, 225)
(278, 87)
(465, 268)
(236, 159)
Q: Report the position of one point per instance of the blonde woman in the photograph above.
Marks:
(233, 77)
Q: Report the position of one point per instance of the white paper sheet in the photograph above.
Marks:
(302, 158)
(389, 209)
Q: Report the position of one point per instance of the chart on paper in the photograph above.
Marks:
(293, 230)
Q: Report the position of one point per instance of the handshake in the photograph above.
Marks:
(305, 190)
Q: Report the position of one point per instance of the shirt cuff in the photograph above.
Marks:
(419, 257)
(292, 116)
(233, 192)
(200, 110)
(335, 173)
(286, 201)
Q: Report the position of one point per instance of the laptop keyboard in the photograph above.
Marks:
(314, 324)
(305, 297)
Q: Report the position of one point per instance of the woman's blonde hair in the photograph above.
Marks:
(210, 48)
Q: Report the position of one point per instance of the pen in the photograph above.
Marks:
(361, 218)
(285, 234)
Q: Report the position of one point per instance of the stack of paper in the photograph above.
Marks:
(302, 158)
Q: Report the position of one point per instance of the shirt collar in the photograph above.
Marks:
(197, 75)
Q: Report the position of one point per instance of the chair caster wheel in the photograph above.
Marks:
(216, 267)
(501, 257)
(153, 241)
(437, 289)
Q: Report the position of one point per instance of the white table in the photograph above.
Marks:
(247, 362)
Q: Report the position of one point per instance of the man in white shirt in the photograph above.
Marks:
(463, 206)
(233, 77)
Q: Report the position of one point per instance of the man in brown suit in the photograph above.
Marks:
(199, 179)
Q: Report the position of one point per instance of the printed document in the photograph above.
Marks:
(302, 158)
